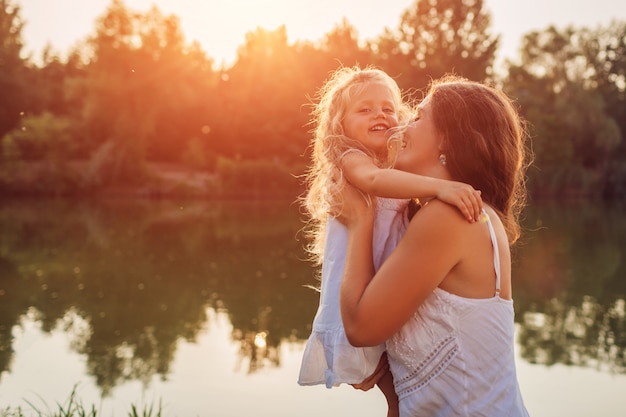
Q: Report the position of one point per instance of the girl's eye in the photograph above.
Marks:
(389, 110)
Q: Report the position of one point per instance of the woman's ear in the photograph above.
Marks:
(442, 153)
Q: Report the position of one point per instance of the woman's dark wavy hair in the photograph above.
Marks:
(484, 140)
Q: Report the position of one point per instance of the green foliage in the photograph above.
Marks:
(14, 72)
(44, 137)
(574, 135)
(261, 98)
(36, 157)
(75, 408)
(610, 81)
(343, 45)
(54, 87)
(9, 156)
(147, 411)
(439, 37)
(137, 92)
(144, 88)
(141, 93)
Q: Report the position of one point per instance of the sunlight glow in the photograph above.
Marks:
(220, 25)
(260, 340)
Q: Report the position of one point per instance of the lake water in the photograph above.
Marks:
(204, 308)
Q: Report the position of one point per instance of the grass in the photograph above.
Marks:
(75, 408)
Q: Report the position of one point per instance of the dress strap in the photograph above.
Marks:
(496, 251)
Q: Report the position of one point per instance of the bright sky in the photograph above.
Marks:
(220, 25)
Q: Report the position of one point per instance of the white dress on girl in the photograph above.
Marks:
(328, 356)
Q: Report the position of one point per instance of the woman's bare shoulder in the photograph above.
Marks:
(438, 210)
(437, 224)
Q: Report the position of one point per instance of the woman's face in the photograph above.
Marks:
(420, 153)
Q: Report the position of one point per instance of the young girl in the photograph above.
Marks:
(356, 109)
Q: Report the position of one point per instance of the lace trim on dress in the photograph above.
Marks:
(429, 368)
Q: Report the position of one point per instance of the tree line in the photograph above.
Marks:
(135, 93)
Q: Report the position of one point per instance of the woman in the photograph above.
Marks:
(442, 300)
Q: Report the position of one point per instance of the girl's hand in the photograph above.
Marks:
(464, 197)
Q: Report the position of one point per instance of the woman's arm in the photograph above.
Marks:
(361, 172)
(375, 307)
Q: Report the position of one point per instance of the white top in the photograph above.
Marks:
(455, 356)
(328, 356)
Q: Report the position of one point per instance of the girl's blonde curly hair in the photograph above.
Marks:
(329, 143)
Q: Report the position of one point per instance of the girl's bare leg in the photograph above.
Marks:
(383, 378)
(385, 383)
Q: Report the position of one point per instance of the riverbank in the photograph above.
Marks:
(153, 180)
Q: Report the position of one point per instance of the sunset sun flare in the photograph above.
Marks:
(221, 25)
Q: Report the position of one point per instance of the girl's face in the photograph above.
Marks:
(369, 116)
(421, 147)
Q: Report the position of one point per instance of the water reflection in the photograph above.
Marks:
(570, 286)
(128, 279)
(141, 274)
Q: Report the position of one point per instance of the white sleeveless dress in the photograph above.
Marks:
(455, 356)
(328, 357)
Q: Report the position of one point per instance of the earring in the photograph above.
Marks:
(442, 158)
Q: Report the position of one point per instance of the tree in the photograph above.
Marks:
(436, 37)
(607, 52)
(341, 45)
(261, 96)
(51, 89)
(13, 70)
(145, 90)
(574, 136)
